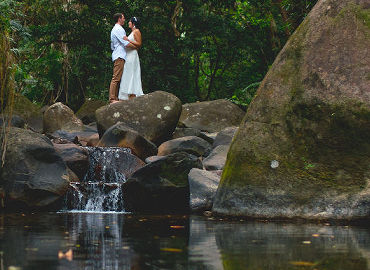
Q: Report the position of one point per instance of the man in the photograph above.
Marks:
(118, 45)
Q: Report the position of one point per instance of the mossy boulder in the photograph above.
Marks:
(303, 148)
(87, 111)
(30, 112)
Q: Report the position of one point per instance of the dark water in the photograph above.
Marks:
(119, 241)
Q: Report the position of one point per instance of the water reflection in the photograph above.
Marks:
(118, 241)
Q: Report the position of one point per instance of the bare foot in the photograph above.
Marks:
(114, 101)
(131, 96)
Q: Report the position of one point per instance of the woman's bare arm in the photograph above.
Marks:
(137, 36)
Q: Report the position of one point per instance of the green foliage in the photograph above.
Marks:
(195, 49)
(244, 96)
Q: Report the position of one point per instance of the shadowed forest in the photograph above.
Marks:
(59, 50)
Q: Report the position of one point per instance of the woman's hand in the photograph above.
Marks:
(126, 38)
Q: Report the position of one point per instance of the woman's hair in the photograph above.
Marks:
(136, 22)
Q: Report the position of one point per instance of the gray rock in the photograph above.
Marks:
(154, 116)
(123, 136)
(15, 121)
(224, 137)
(34, 174)
(161, 186)
(211, 116)
(191, 144)
(76, 158)
(217, 158)
(203, 186)
(60, 117)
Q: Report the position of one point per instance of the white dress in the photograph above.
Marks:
(131, 76)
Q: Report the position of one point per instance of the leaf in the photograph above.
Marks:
(302, 263)
(171, 250)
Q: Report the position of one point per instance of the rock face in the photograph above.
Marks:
(34, 175)
(211, 116)
(303, 148)
(121, 136)
(161, 186)
(59, 116)
(153, 116)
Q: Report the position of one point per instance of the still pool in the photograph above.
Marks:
(123, 241)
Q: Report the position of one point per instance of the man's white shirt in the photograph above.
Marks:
(117, 42)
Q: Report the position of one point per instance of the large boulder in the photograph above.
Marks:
(87, 111)
(60, 117)
(120, 135)
(303, 148)
(34, 174)
(161, 186)
(154, 115)
(211, 116)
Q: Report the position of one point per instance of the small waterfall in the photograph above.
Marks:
(100, 190)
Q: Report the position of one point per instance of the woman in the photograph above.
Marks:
(130, 85)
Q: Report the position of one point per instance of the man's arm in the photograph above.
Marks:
(119, 35)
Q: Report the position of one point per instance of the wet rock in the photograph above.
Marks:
(161, 186)
(34, 175)
(75, 157)
(123, 136)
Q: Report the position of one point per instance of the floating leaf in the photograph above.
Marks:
(177, 227)
(171, 249)
(306, 242)
(68, 255)
(302, 263)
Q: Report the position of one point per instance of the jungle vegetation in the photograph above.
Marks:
(59, 50)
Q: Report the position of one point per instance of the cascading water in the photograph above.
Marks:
(100, 190)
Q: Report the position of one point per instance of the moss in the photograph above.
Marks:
(362, 16)
(24, 107)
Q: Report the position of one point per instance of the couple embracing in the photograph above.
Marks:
(126, 80)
